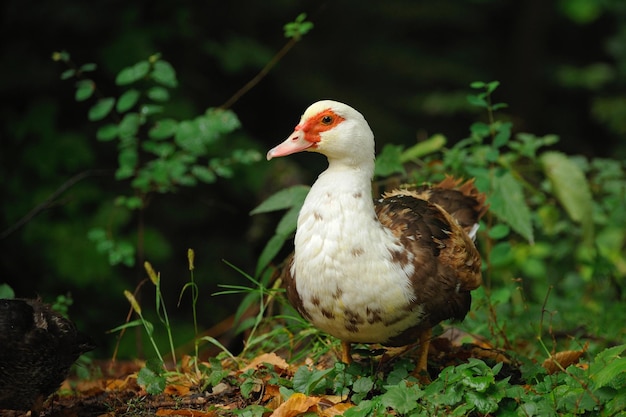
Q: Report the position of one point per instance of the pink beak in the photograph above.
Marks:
(294, 143)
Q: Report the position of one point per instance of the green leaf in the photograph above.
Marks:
(570, 188)
(527, 144)
(364, 384)
(248, 385)
(365, 408)
(203, 173)
(127, 325)
(608, 365)
(307, 380)
(160, 149)
(289, 197)
(480, 129)
(84, 90)
(101, 109)
(271, 249)
(90, 67)
(389, 162)
(6, 291)
(189, 137)
(287, 223)
(477, 84)
(484, 403)
(503, 135)
(132, 74)
(67, 74)
(499, 231)
(107, 132)
(402, 398)
(479, 383)
(150, 109)
(127, 101)
(610, 354)
(222, 121)
(476, 100)
(508, 203)
(151, 380)
(609, 373)
(163, 129)
(132, 203)
(127, 160)
(421, 149)
(159, 94)
(491, 86)
(164, 74)
(298, 28)
(129, 126)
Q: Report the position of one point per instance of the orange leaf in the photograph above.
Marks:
(127, 383)
(270, 358)
(176, 389)
(336, 410)
(296, 404)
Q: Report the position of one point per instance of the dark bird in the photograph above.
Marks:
(383, 271)
(37, 348)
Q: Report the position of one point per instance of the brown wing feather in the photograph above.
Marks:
(447, 264)
(290, 287)
(459, 199)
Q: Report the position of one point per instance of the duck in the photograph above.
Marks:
(37, 348)
(380, 270)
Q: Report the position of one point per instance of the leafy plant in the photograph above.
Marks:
(156, 153)
(151, 377)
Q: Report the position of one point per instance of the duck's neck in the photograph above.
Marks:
(341, 178)
(341, 194)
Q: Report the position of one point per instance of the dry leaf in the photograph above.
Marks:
(118, 384)
(564, 359)
(336, 410)
(296, 404)
(176, 389)
(271, 358)
(271, 397)
(186, 364)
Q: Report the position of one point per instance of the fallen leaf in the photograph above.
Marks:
(336, 410)
(296, 404)
(564, 359)
(272, 397)
(176, 389)
(270, 358)
(120, 384)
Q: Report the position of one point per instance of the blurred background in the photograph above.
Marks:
(406, 65)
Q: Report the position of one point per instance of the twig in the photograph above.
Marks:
(49, 202)
(257, 78)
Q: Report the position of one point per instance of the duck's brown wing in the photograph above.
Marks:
(459, 199)
(445, 261)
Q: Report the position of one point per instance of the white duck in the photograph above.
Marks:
(382, 271)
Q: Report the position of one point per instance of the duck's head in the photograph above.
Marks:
(333, 129)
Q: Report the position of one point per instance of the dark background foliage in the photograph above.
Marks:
(405, 64)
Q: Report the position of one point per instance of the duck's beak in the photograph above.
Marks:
(296, 142)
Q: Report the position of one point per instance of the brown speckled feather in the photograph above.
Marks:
(290, 287)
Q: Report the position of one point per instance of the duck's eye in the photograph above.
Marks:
(326, 120)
